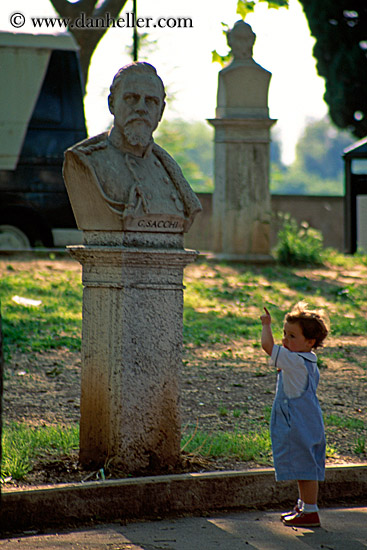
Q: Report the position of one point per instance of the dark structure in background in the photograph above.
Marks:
(33, 198)
(355, 158)
(1, 393)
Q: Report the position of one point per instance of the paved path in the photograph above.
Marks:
(342, 529)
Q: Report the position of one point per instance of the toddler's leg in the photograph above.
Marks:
(308, 490)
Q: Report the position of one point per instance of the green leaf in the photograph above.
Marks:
(245, 7)
(276, 3)
(221, 59)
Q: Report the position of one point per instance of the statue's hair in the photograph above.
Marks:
(314, 323)
(140, 67)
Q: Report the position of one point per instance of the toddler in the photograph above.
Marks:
(296, 425)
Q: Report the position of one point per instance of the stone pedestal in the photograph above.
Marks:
(131, 356)
(241, 199)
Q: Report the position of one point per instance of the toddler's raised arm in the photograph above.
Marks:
(267, 340)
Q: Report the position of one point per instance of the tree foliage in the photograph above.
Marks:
(318, 168)
(89, 36)
(190, 143)
(244, 7)
(319, 149)
(340, 29)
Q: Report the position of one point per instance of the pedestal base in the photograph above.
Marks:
(131, 356)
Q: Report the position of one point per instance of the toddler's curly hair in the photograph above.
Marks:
(314, 323)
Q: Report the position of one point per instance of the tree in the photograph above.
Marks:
(247, 6)
(276, 149)
(339, 27)
(191, 144)
(320, 148)
(318, 168)
(92, 31)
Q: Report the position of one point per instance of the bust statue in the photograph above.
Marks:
(241, 40)
(243, 85)
(121, 180)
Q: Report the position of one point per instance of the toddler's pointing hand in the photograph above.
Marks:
(265, 318)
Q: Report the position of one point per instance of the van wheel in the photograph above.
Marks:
(12, 238)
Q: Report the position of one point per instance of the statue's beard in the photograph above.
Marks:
(138, 133)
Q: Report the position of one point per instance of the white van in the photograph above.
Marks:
(41, 115)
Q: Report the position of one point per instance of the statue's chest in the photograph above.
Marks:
(142, 184)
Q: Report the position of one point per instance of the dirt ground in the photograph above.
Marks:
(44, 388)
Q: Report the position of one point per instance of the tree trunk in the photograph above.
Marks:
(87, 37)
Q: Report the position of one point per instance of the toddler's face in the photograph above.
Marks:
(294, 340)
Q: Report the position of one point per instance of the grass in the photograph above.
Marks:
(344, 422)
(217, 310)
(23, 444)
(254, 445)
(222, 308)
(360, 446)
(250, 446)
(55, 323)
(353, 424)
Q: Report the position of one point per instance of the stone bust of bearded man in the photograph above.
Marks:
(121, 180)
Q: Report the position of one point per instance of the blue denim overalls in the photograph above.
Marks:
(297, 431)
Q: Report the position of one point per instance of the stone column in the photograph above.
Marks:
(131, 356)
(241, 199)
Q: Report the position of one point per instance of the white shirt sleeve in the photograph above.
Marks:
(295, 374)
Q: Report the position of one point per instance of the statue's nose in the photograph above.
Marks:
(141, 107)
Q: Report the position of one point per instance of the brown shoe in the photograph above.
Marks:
(295, 510)
(303, 519)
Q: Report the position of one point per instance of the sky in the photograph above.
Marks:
(183, 59)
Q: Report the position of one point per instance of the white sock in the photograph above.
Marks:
(300, 504)
(308, 508)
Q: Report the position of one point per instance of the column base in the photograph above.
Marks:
(131, 357)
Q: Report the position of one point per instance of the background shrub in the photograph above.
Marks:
(299, 244)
